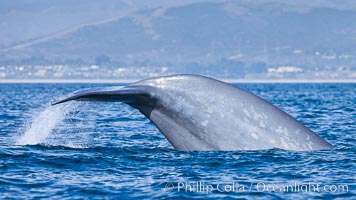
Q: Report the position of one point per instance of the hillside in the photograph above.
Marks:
(233, 36)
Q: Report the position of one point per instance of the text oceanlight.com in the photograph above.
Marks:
(235, 186)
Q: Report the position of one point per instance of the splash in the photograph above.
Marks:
(44, 123)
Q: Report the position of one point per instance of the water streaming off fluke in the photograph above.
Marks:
(44, 123)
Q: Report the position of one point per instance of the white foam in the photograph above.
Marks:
(44, 123)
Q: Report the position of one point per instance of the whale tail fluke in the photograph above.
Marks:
(193, 114)
(126, 94)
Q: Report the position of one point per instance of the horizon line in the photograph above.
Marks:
(124, 81)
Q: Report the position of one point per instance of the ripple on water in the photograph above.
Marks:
(109, 150)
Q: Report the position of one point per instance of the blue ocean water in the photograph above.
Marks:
(109, 150)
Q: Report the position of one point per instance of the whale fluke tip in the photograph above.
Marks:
(121, 94)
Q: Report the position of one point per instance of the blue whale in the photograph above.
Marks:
(197, 113)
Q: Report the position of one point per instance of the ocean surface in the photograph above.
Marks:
(111, 151)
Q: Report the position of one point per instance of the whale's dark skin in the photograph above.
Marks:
(197, 113)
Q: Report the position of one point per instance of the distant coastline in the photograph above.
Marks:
(124, 81)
